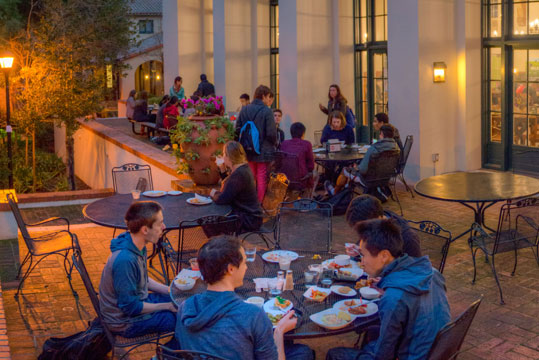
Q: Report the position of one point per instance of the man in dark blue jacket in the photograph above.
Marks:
(205, 87)
(414, 305)
(127, 307)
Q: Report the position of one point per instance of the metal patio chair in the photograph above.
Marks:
(128, 177)
(449, 339)
(305, 224)
(402, 165)
(518, 228)
(116, 341)
(435, 241)
(164, 353)
(59, 242)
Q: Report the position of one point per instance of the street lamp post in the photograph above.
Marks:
(6, 62)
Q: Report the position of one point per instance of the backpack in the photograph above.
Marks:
(350, 118)
(91, 344)
(341, 201)
(250, 136)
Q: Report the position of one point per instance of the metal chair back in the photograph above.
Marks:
(449, 339)
(288, 164)
(382, 167)
(405, 153)
(305, 224)
(20, 223)
(128, 177)
(195, 233)
(164, 353)
(435, 241)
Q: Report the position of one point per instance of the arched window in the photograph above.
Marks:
(149, 77)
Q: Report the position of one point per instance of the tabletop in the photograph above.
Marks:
(346, 155)
(305, 327)
(477, 186)
(111, 210)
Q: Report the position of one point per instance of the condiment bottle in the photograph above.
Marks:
(280, 279)
(289, 283)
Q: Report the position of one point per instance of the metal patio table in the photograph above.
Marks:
(336, 161)
(305, 328)
(110, 212)
(477, 190)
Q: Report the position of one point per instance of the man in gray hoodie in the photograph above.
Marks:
(219, 322)
(127, 307)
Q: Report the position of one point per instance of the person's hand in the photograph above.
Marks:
(352, 250)
(172, 307)
(288, 322)
(322, 107)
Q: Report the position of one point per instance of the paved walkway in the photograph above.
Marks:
(499, 332)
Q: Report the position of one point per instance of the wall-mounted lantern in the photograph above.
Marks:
(439, 69)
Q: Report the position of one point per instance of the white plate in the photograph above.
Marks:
(319, 150)
(154, 193)
(308, 294)
(342, 306)
(355, 273)
(186, 273)
(335, 289)
(269, 306)
(353, 264)
(317, 319)
(195, 201)
(174, 192)
(273, 256)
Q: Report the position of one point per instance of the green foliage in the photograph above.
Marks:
(12, 17)
(182, 132)
(206, 170)
(203, 136)
(217, 153)
(191, 155)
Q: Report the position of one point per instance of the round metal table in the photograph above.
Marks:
(334, 162)
(305, 328)
(111, 210)
(477, 190)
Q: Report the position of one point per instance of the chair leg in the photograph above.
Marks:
(515, 266)
(406, 185)
(474, 264)
(492, 266)
(26, 258)
(396, 197)
(69, 272)
(28, 271)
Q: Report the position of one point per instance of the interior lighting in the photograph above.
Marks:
(158, 77)
(495, 33)
(439, 72)
(146, 76)
(515, 70)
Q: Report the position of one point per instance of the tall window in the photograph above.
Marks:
(511, 84)
(148, 77)
(370, 62)
(274, 50)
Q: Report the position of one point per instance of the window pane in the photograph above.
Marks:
(520, 19)
(533, 19)
(533, 131)
(379, 91)
(380, 7)
(533, 65)
(496, 95)
(495, 20)
(520, 57)
(378, 66)
(379, 22)
(533, 98)
(363, 32)
(520, 130)
(495, 127)
(364, 63)
(519, 98)
(365, 113)
(495, 64)
(363, 7)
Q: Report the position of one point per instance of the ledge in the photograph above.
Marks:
(59, 196)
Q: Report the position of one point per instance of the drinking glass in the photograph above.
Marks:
(327, 278)
(194, 264)
(135, 194)
(250, 253)
(274, 288)
(284, 262)
(311, 277)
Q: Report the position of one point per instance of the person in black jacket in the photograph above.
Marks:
(238, 188)
(205, 87)
(337, 102)
(278, 116)
(261, 115)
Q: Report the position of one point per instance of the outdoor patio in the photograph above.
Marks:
(47, 307)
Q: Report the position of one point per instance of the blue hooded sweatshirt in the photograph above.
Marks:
(222, 324)
(124, 283)
(412, 310)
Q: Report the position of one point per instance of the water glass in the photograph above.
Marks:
(135, 194)
(250, 253)
(194, 264)
(284, 262)
(327, 278)
(274, 287)
(311, 277)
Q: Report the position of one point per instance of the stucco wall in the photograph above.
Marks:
(127, 82)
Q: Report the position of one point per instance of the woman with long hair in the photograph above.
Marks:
(336, 102)
(337, 129)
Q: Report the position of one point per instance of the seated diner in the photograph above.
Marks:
(304, 150)
(337, 129)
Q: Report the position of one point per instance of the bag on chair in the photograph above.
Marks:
(340, 201)
(275, 193)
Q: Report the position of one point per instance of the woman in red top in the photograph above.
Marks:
(171, 113)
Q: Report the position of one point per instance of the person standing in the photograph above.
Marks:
(205, 87)
(278, 116)
(130, 105)
(177, 89)
(337, 102)
(261, 115)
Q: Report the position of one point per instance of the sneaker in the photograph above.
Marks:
(380, 195)
(330, 189)
(166, 147)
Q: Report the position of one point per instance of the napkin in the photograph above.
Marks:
(201, 198)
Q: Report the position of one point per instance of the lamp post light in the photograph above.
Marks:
(6, 63)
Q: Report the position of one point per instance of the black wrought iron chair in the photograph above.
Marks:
(435, 241)
(164, 353)
(305, 224)
(275, 195)
(195, 233)
(402, 164)
(128, 177)
(59, 242)
(288, 164)
(449, 339)
(116, 341)
(518, 228)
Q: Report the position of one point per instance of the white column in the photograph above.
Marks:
(171, 45)
(219, 53)
(254, 46)
(335, 40)
(288, 60)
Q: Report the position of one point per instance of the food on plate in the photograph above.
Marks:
(358, 310)
(195, 201)
(281, 303)
(351, 303)
(316, 257)
(344, 316)
(336, 319)
(344, 272)
(334, 266)
(344, 289)
(181, 281)
(363, 283)
(318, 295)
(275, 318)
(273, 257)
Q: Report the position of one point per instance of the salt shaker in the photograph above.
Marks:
(289, 283)
(280, 279)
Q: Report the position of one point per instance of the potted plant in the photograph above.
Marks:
(198, 139)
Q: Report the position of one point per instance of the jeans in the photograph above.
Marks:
(298, 352)
(342, 353)
(158, 322)
(260, 172)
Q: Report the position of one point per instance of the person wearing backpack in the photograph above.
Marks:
(257, 133)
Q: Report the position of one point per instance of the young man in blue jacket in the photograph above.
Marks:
(414, 305)
(127, 307)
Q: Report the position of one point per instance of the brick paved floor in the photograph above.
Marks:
(498, 332)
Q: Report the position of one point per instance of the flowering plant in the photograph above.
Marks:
(205, 106)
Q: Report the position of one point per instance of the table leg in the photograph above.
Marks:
(479, 215)
(159, 251)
